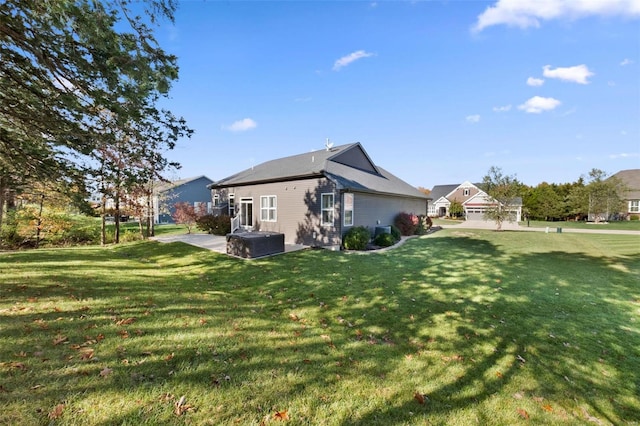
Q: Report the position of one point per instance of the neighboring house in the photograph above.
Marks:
(631, 179)
(192, 190)
(316, 197)
(474, 201)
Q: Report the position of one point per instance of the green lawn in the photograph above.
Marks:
(459, 327)
(625, 225)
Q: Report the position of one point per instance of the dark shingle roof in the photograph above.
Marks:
(349, 169)
(631, 179)
(164, 186)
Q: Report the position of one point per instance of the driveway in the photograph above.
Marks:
(215, 243)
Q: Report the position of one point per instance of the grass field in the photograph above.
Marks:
(459, 327)
(625, 225)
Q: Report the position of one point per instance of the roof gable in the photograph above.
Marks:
(349, 166)
(355, 156)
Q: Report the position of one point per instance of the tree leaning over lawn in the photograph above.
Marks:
(504, 190)
(64, 67)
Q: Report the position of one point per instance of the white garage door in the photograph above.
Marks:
(475, 214)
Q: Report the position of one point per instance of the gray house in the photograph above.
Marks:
(191, 190)
(316, 197)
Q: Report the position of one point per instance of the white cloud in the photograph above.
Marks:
(538, 104)
(577, 74)
(473, 118)
(242, 125)
(529, 13)
(504, 108)
(626, 61)
(531, 81)
(351, 57)
(624, 155)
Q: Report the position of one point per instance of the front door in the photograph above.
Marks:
(246, 212)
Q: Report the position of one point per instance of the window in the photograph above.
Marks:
(216, 200)
(348, 209)
(232, 205)
(327, 209)
(268, 206)
(465, 192)
(634, 206)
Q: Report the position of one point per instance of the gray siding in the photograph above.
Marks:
(190, 192)
(298, 210)
(371, 210)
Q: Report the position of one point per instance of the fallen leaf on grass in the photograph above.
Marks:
(281, 415)
(169, 357)
(125, 321)
(523, 413)
(86, 353)
(106, 371)
(59, 339)
(181, 407)
(57, 411)
(421, 398)
(294, 317)
(547, 407)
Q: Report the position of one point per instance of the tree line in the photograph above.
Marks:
(596, 197)
(81, 84)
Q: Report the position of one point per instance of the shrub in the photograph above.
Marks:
(424, 224)
(356, 238)
(396, 233)
(407, 223)
(634, 217)
(216, 225)
(385, 240)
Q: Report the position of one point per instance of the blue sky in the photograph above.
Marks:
(437, 92)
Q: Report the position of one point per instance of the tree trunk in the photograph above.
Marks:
(3, 189)
(103, 223)
(116, 217)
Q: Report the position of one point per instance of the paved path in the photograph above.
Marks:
(506, 226)
(215, 243)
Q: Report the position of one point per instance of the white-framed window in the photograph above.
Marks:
(232, 205)
(348, 208)
(268, 208)
(326, 206)
(634, 206)
(216, 200)
(465, 192)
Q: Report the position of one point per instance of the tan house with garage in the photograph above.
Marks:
(474, 201)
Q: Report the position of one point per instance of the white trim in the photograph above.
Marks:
(243, 201)
(269, 208)
(330, 209)
(231, 197)
(352, 209)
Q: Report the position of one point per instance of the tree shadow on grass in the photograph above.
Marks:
(455, 318)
